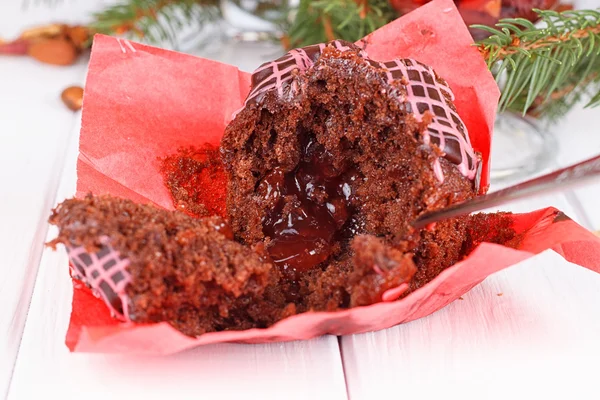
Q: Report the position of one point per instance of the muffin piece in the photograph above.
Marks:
(373, 268)
(152, 265)
(331, 144)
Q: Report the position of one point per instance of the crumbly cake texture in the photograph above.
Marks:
(151, 265)
(329, 161)
(179, 269)
(196, 180)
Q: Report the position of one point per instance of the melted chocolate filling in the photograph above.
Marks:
(311, 210)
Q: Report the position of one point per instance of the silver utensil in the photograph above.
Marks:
(574, 175)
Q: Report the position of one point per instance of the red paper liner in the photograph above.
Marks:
(142, 103)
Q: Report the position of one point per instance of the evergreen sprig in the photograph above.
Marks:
(318, 21)
(155, 21)
(545, 69)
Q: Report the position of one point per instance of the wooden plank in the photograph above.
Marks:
(534, 341)
(297, 370)
(527, 332)
(301, 369)
(34, 130)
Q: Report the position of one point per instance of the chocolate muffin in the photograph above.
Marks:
(327, 164)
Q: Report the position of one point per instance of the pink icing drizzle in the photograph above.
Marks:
(106, 267)
(437, 170)
(281, 69)
(394, 293)
(442, 128)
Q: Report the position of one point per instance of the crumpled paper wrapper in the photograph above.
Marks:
(142, 103)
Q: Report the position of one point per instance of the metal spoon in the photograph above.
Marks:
(562, 179)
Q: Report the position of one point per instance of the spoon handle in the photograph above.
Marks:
(560, 180)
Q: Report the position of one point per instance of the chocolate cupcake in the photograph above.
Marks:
(329, 161)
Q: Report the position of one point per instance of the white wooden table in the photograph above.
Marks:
(539, 338)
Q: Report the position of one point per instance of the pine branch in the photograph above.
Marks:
(318, 21)
(155, 21)
(545, 70)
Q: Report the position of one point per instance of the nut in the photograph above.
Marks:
(493, 8)
(44, 31)
(73, 97)
(79, 36)
(53, 51)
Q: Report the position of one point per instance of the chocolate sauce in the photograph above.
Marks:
(311, 210)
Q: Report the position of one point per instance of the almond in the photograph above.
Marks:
(79, 36)
(44, 31)
(53, 51)
(73, 97)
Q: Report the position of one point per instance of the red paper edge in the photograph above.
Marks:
(100, 181)
(102, 338)
(104, 184)
(541, 222)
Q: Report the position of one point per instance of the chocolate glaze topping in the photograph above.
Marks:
(424, 94)
(106, 273)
